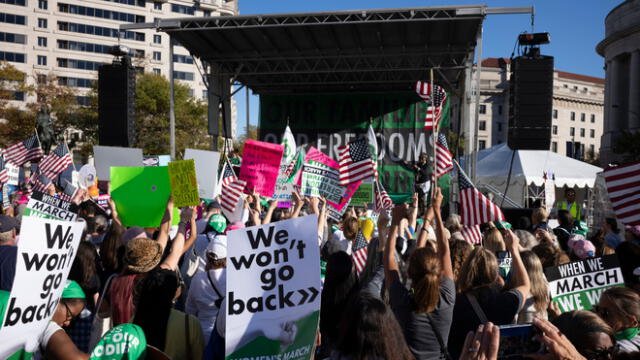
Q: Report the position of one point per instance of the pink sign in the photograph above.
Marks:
(260, 166)
(319, 156)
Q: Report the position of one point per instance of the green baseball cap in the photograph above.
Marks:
(72, 290)
(125, 341)
(580, 227)
(503, 225)
(218, 222)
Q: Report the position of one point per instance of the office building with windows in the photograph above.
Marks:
(71, 39)
(577, 116)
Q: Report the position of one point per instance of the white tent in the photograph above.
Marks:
(529, 167)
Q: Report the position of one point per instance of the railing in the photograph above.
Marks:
(498, 194)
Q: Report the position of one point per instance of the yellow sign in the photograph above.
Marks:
(184, 187)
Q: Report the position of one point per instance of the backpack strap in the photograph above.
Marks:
(444, 352)
(476, 308)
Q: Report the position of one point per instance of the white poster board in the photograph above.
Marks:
(206, 170)
(14, 173)
(46, 251)
(108, 156)
(273, 290)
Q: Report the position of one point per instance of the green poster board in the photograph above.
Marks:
(363, 195)
(184, 187)
(141, 194)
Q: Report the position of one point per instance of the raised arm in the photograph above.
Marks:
(413, 214)
(114, 212)
(298, 206)
(426, 225)
(272, 207)
(520, 278)
(322, 219)
(171, 262)
(193, 235)
(443, 244)
(165, 226)
(391, 268)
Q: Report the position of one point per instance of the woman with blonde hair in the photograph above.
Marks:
(493, 241)
(481, 297)
(536, 304)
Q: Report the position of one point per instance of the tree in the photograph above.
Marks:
(250, 132)
(16, 123)
(152, 117)
(628, 145)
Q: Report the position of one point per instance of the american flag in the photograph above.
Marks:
(69, 192)
(475, 208)
(382, 201)
(436, 100)
(623, 186)
(56, 162)
(444, 158)
(472, 234)
(4, 174)
(231, 190)
(21, 152)
(359, 252)
(355, 162)
(40, 182)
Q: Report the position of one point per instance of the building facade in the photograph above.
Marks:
(621, 51)
(577, 116)
(71, 39)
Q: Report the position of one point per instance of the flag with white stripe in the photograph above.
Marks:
(23, 151)
(444, 158)
(4, 173)
(382, 199)
(475, 208)
(56, 162)
(355, 162)
(472, 234)
(359, 252)
(623, 186)
(436, 98)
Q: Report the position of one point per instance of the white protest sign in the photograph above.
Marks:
(46, 251)
(108, 156)
(49, 207)
(273, 290)
(578, 285)
(206, 170)
(283, 193)
(6, 200)
(549, 192)
(87, 176)
(322, 181)
(14, 173)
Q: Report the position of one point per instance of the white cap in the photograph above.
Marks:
(218, 246)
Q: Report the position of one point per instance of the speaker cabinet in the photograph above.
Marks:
(116, 105)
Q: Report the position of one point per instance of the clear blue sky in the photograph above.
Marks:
(576, 26)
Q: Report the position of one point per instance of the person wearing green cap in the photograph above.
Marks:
(125, 341)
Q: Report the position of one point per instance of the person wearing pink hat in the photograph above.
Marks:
(581, 248)
(632, 234)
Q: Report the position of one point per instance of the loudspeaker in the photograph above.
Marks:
(116, 104)
(530, 103)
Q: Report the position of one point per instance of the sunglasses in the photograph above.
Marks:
(603, 354)
(69, 312)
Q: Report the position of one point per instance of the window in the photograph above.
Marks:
(157, 39)
(14, 2)
(11, 57)
(181, 9)
(483, 125)
(100, 13)
(483, 109)
(185, 59)
(592, 133)
(554, 147)
(573, 116)
(555, 114)
(93, 48)
(100, 31)
(18, 95)
(593, 118)
(554, 130)
(43, 4)
(157, 56)
(499, 109)
(582, 117)
(206, 13)
(565, 86)
(183, 75)
(205, 94)
(13, 19)
(42, 60)
(582, 132)
(157, 5)
(575, 87)
(42, 41)
(482, 144)
(75, 82)
(499, 127)
(592, 151)
(140, 3)
(572, 131)
(42, 23)
(13, 38)
(78, 64)
(156, 71)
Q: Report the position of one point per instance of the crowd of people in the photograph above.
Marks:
(426, 292)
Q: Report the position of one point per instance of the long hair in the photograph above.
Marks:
(350, 228)
(453, 223)
(493, 241)
(424, 271)
(539, 285)
(112, 250)
(83, 270)
(460, 251)
(340, 282)
(626, 300)
(479, 270)
(153, 304)
(370, 331)
(580, 325)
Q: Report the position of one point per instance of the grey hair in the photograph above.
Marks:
(453, 223)
(527, 239)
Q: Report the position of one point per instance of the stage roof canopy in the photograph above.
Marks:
(342, 51)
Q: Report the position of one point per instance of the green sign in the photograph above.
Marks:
(363, 195)
(184, 187)
(141, 195)
(328, 121)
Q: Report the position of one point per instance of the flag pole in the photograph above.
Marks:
(434, 131)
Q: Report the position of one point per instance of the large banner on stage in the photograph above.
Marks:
(331, 120)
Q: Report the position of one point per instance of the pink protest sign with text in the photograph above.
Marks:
(260, 166)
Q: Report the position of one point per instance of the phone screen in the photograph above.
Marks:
(517, 340)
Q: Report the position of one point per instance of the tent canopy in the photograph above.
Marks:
(529, 167)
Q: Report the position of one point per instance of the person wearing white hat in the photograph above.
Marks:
(209, 286)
